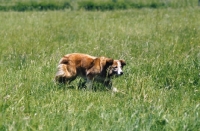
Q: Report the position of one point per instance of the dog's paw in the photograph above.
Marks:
(114, 90)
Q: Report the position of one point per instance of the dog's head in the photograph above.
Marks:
(116, 67)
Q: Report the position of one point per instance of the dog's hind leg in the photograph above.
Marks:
(65, 74)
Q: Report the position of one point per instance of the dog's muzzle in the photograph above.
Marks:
(120, 73)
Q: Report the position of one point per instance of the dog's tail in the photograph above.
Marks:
(60, 74)
(64, 60)
(62, 70)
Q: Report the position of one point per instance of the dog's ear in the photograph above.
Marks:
(105, 63)
(123, 63)
(109, 61)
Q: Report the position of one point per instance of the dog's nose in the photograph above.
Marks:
(121, 73)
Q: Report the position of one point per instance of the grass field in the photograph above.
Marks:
(160, 82)
(101, 5)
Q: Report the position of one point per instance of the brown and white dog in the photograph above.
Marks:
(90, 68)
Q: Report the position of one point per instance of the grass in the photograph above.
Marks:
(94, 5)
(161, 79)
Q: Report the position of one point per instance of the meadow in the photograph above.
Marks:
(160, 82)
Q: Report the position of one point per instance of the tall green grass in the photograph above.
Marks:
(41, 5)
(160, 82)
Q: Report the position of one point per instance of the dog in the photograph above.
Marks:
(90, 68)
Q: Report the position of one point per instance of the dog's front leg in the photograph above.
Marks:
(109, 86)
(89, 84)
